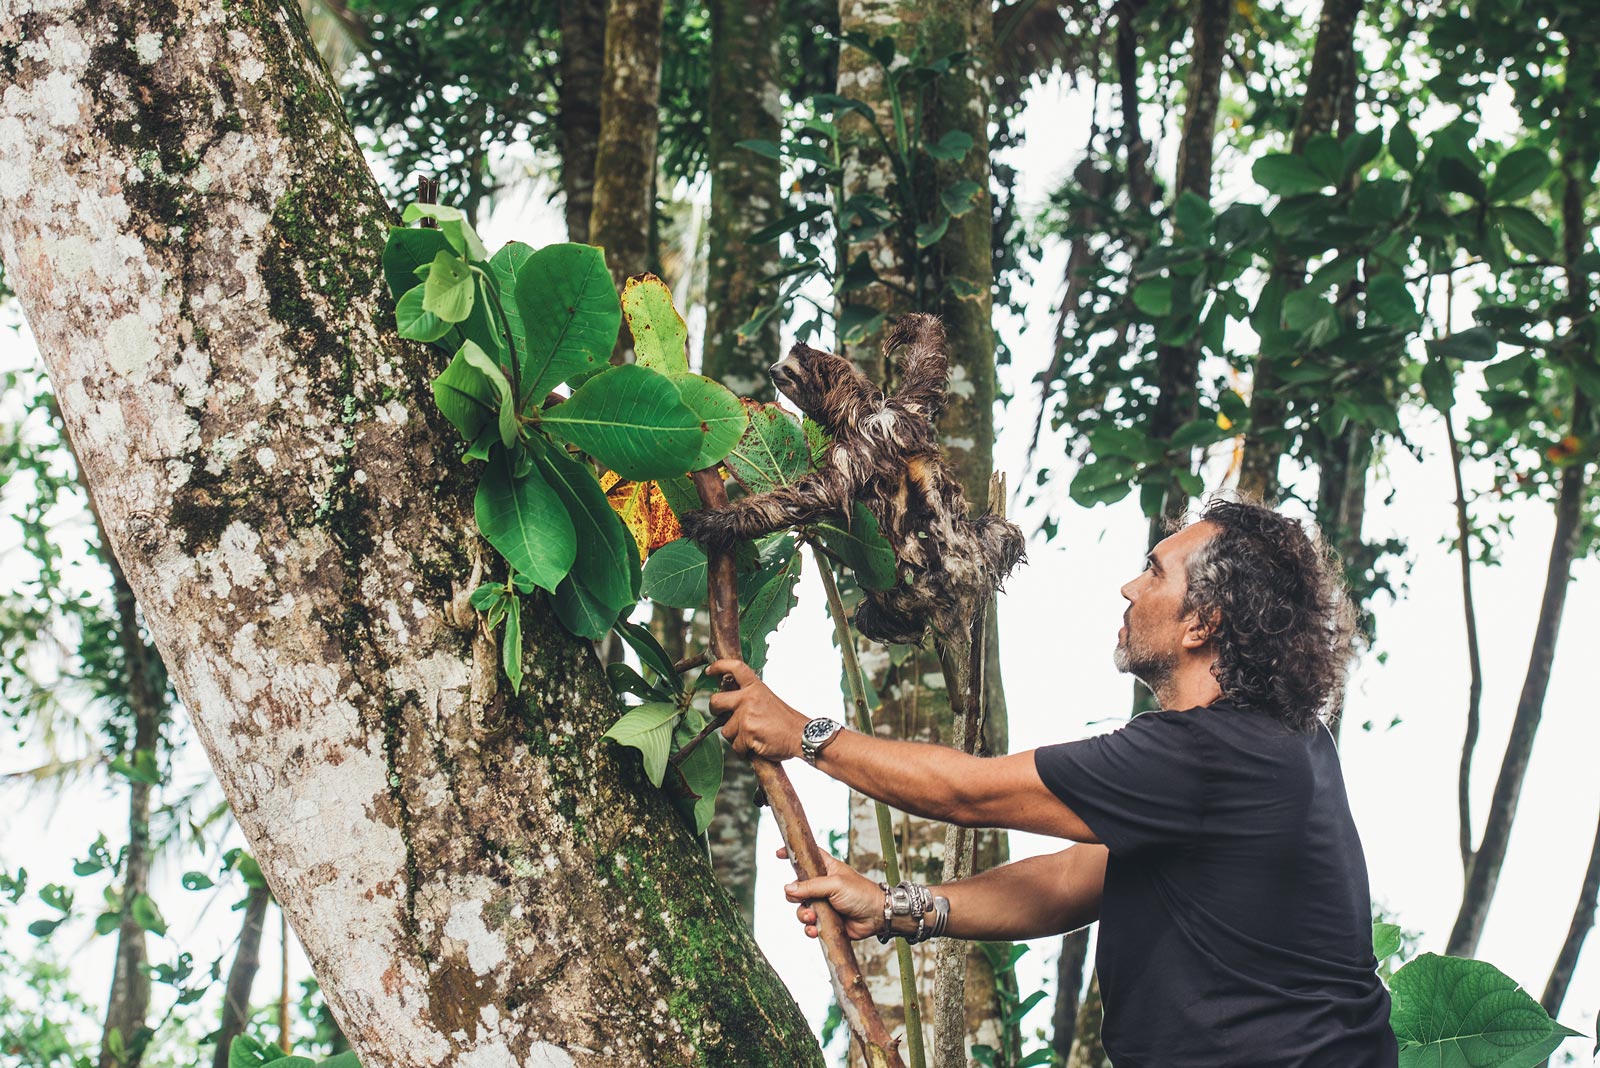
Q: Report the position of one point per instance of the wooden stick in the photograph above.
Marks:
(880, 1050)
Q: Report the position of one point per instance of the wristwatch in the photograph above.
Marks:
(817, 734)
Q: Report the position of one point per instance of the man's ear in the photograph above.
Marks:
(1199, 631)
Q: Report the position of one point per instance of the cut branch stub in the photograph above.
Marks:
(859, 1011)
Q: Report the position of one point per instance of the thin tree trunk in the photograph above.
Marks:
(242, 976)
(1483, 875)
(745, 196)
(1469, 740)
(581, 67)
(1555, 988)
(624, 185)
(476, 877)
(1070, 967)
(1087, 1049)
(1326, 84)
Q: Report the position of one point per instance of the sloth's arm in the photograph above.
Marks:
(820, 493)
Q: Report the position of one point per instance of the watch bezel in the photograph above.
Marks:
(817, 733)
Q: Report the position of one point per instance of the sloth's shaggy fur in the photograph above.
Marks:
(885, 454)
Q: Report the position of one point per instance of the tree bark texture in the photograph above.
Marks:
(745, 196)
(624, 169)
(1555, 988)
(1329, 79)
(1070, 966)
(145, 682)
(913, 701)
(581, 68)
(242, 975)
(1087, 1049)
(478, 879)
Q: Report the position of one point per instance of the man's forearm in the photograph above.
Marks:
(914, 777)
(1030, 898)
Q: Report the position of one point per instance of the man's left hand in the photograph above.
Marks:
(760, 722)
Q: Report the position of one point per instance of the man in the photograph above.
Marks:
(1217, 848)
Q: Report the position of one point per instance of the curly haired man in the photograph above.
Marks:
(1214, 838)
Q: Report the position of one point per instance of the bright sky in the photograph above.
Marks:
(1060, 685)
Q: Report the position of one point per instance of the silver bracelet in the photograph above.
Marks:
(913, 899)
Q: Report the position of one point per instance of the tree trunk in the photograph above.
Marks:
(745, 196)
(913, 702)
(624, 169)
(581, 67)
(1326, 84)
(1555, 989)
(1087, 1050)
(1070, 967)
(242, 976)
(145, 680)
(477, 878)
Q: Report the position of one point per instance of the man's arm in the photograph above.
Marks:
(932, 781)
(1029, 898)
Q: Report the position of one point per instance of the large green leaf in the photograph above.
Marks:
(466, 397)
(485, 365)
(701, 771)
(1518, 174)
(598, 587)
(660, 336)
(766, 596)
(568, 307)
(631, 419)
(416, 323)
(407, 249)
(648, 729)
(503, 265)
(1286, 175)
(772, 451)
(146, 915)
(722, 417)
(453, 224)
(1450, 1012)
(675, 575)
(526, 521)
(448, 290)
(861, 545)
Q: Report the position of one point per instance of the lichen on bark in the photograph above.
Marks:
(194, 239)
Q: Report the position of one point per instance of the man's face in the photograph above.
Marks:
(1150, 641)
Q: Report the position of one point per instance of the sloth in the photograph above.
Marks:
(884, 453)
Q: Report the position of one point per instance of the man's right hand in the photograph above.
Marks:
(857, 899)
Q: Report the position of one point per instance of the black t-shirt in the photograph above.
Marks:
(1236, 926)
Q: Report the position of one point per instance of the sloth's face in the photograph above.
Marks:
(806, 375)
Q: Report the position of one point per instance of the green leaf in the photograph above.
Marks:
(1476, 344)
(569, 308)
(466, 396)
(960, 197)
(484, 364)
(416, 323)
(511, 643)
(409, 248)
(146, 915)
(722, 417)
(449, 289)
(1450, 1012)
(675, 574)
(526, 522)
(1385, 940)
(648, 729)
(660, 337)
(194, 880)
(772, 451)
(1286, 175)
(631, 419)
(598, 587)
(857, 322)
(770, 598)
(929, 233)
(504, 265)
(1192, 214)
(1403, 145)
(453, 224)
(347, 1059)
(106, 922)
(1322, 152)
(42, 928)
(1460, 176)
(1360, 149)
(1527, 231)
(486, 595)
(1519, 173)
(1391, 301)
(817, 439)
(953, 145)
(701, 770)
(761, 148)
(862, 546)
(1153, 297)
(1102, 482)
(651, 655)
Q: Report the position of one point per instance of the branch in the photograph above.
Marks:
(859, 1011)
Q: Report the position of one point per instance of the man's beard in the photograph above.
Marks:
(1149, 667)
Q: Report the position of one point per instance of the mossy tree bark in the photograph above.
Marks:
(913, 700)
(476, 877)
(745, 196)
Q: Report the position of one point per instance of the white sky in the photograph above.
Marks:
(1060, 685)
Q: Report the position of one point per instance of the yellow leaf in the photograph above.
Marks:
(643, 510)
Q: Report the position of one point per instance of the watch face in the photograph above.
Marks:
(819, 730)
